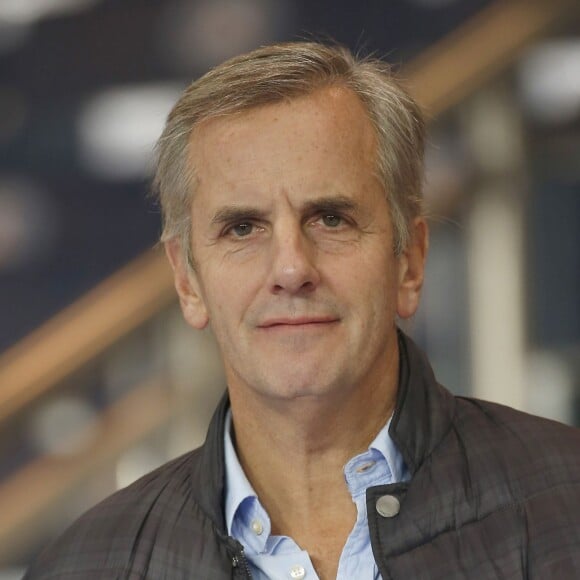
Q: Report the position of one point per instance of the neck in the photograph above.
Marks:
(293, 453)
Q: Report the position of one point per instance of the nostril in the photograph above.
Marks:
(307, 286)
(293, 267)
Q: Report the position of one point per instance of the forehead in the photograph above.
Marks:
(322, 132)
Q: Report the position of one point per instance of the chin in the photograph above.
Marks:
(288, 378)
(300, 385)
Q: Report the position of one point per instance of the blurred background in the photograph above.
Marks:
(100, 379)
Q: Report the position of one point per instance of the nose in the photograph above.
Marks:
(293, 269)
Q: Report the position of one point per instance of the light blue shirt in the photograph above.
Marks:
(279, 557)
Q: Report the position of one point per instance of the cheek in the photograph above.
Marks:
(381, 294)
(229, 294)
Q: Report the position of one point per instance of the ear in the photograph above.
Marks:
(412, 269)
(187, 286)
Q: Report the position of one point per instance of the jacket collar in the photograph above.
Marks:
(208, 469)
(424, 409)
(422, 416)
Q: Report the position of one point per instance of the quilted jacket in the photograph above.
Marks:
(494, 494)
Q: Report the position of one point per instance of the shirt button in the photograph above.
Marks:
(257, 527)
(388, 506)
(297, 572)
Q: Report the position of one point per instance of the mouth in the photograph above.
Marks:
(300, 322)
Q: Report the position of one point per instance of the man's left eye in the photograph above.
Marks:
(242, 229)
(331, 220)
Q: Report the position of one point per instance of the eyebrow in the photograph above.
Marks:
(331, 203)
(234, 213)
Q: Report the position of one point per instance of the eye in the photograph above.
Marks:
(241, 229)
(331, 220)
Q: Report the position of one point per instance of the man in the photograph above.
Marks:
(290, 183)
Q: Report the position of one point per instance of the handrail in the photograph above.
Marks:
(47, 479)
(439, 79)
(84, 330)
(479, 49)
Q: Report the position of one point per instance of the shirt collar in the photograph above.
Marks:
(239, 489)
(384, 444)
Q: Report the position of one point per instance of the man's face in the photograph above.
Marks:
(293, 247)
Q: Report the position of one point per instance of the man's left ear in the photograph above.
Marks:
(412, 268)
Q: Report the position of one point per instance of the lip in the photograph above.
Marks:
(299, 322)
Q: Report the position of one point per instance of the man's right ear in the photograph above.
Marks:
(187, 286)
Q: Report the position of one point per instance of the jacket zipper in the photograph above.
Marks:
(239, 560)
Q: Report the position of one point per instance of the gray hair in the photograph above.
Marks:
(284, 71)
